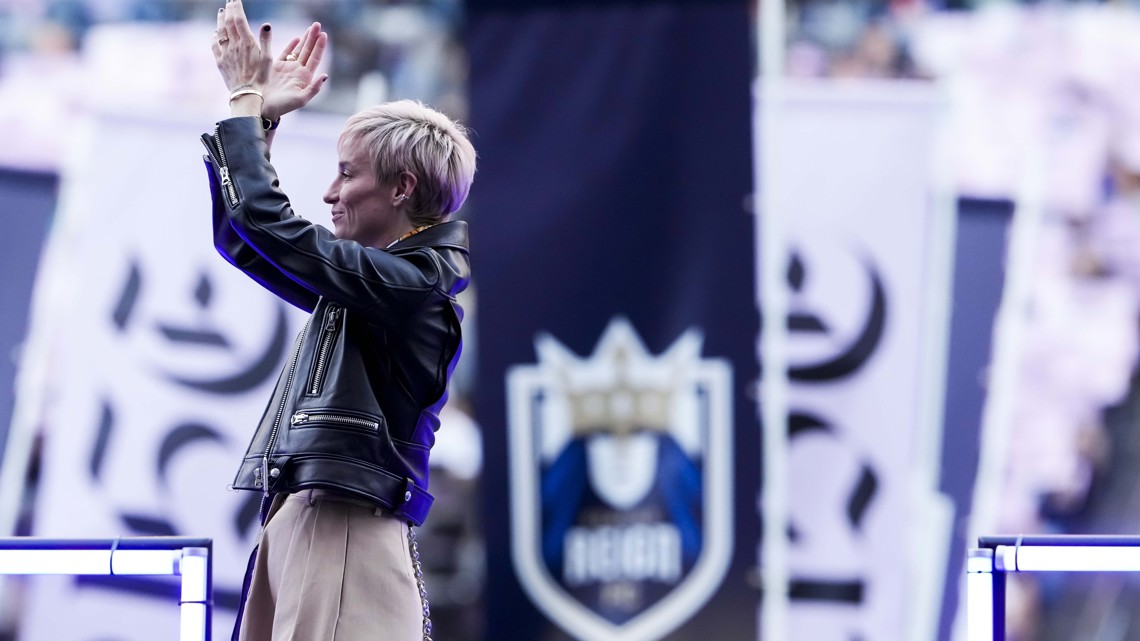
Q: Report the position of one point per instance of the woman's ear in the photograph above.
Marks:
(406, 184)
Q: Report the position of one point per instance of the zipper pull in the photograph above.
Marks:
(262, 475)
(334, 319)
(226, 175)
(299, 418)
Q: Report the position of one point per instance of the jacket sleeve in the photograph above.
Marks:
(239, 254)
(370, 280)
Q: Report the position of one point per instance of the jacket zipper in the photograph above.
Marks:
(331, 326)
(277, 420)
(223, 166)
(301, 418)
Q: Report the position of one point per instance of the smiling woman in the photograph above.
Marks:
(341, 455)
(378, 197)
(364, 209)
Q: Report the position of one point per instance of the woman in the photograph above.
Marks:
(341, 453)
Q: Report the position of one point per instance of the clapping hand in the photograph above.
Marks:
(286, 83)
(293, 80)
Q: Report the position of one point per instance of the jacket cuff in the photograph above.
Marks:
(243, 141)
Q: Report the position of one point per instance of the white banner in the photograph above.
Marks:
(161, 359)
(855, 166)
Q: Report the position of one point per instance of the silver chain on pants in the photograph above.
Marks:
(420, 581)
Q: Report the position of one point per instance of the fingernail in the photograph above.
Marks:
(265, 28)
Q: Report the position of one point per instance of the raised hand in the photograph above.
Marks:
(238, 55)
(292, 79)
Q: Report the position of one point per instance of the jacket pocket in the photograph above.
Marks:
(335, 418)
(330, 329)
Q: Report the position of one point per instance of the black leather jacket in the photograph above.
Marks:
(356, 408)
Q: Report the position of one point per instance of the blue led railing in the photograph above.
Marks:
(995, 556)
(187, 558)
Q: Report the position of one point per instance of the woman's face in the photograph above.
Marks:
(362, 209)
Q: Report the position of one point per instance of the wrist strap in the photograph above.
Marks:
(269, 125)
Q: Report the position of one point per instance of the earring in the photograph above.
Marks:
(401, 198)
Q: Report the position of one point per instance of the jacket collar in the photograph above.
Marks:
(449, 234)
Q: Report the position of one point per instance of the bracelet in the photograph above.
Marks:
(269, 125)
(245, 91)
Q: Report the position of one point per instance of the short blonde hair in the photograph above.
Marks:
(407, 135)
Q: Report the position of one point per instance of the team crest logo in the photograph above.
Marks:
(621, 470)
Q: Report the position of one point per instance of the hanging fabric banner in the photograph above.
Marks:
(979, 276)
(27, 200)
(612, 253)
(856, 163)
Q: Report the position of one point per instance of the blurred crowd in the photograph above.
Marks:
(852, 38)
(1044, 93)
(59, 57)
(384, 49)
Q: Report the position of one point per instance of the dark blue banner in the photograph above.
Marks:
(613, 262)
(979, 278)
(27, 204)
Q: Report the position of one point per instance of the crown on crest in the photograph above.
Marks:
(621, 388)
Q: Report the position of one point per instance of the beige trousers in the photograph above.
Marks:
(331, 568)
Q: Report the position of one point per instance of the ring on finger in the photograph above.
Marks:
(223, 40)
(291, 57)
